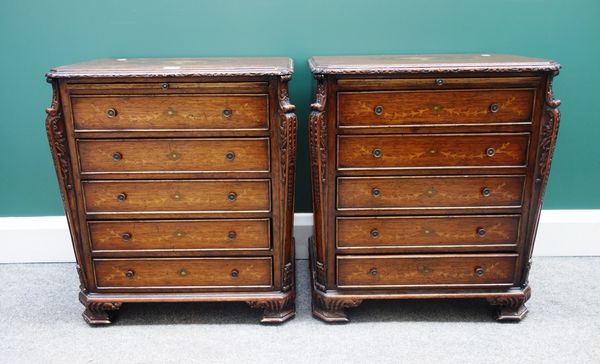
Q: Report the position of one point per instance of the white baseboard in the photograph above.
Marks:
(47, 239)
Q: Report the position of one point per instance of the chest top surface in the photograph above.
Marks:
(428, 63)
(180, 67)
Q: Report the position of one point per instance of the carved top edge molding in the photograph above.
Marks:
(429, 63)
(176, 67)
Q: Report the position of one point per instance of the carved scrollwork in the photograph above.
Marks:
(512, 301)
(288, 277)
(57, 138)
(272, 304)
(97, 312)
(335, 304)
(318, 157)
(276, 310)
(288, 124)
(55, 127)
(550, 123)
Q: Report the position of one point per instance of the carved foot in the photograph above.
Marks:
(511, 308)
(330, 309)
(97, 313)
(276, 311)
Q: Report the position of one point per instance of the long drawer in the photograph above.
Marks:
(169, 155)
(427, 232)
(364, 193)
(198, 272)
(432, 151)
(463, 107)
(180, 235)
(425, 270)
(177, 196)
(191, 112)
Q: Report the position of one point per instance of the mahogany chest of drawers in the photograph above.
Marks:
(177, 179)
(428, 174)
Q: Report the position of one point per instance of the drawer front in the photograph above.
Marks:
(177, 196)
(448, 107)
(429, 192)
(432, 151)
(194, 112)
(168, 155)
(200, 272)
(427, 232)
(169, 236)
(425, 270)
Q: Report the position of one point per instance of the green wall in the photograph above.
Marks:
(35, 35)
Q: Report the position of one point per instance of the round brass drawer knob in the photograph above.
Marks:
(129, 274)
(486, 192)
(231, 235)
(164, 85)
(230, 156)
(439, 82)
(126, 236)
(111, 113)
(117, 156)
(377, 153)
(121, 197)
(183, 272)
(227, 113)
(490, 152)
(374, 233)
(378, 110)
(234, 273)
(376, 192)
(373, 272)
(479, 272)
(494, 107)
(232, 196)
(481, 232)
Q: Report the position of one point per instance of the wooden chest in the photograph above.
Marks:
(177, 178)
(428, 174)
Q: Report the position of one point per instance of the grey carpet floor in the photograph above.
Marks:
(40, 322)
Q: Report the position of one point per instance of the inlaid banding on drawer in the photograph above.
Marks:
(452, 107)
(432, 151)
(186, 112)
(372, 193)
(199, 272)
(219, 196)
(180, 235)
(425, 270)
(427, 232)
(174, 155)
